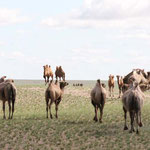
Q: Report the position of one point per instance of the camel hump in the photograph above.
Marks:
(98, 81)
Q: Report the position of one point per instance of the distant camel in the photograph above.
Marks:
(111, 84)
(47, 73)
(98, 98)
(120, 84)
(59, 73)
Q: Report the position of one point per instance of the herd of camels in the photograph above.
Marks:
(131, 86)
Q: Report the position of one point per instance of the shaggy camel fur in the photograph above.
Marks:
(2, 79)
(54, 94)
(59, 73)
(132, 101)
(98, 98)
(120, 84)
(137, 74)
(8, 93)
(47, 73)
(111, 84)
(138, 77)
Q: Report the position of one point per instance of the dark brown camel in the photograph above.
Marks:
(8, 93)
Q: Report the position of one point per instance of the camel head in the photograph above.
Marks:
(63, 84)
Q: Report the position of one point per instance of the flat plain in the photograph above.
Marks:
(74, 129)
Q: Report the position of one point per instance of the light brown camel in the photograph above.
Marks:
(111, 84)
(47, 73)
(120, 84)
(54, 94)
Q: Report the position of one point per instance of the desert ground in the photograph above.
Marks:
(74, 129)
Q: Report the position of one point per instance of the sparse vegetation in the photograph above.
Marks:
(75, 128)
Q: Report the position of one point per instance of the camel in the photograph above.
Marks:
(8, 93)
(120, 84)
(132, 101)
(137, 74)
(2, 79)
(47, 73)
(59, 73)
(111, 84)
(54, 94)
(98, 98)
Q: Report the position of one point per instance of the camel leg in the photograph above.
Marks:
(125, 118)
(140, 124)
(47, 101)
(132, 114)
(119, 92)
(12, 109)
(4, 117)
(113, 91)
(47, 79)
(9, 109)
(109, 91)
(137, 123)
(95, 117)
(56, 108)
(101, 113)
(50, 109)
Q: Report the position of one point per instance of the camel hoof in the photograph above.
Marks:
(51, 116)
(125, 128)
(4, 118)
(100, 121)
(137, 131)
(95, 119)
(140, 124)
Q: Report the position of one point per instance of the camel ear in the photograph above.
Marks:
(43, 66)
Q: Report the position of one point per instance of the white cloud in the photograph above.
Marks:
(92, 56)
(103, 14)
(11, 16)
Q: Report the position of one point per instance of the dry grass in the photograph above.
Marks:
(75, 128)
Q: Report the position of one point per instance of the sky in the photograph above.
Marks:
(90, 39)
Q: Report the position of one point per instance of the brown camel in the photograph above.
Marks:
(59, 73)
(132, 101)
(8, 93)
(2, 79)
(54, 94)
(98, 98)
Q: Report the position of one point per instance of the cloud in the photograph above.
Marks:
(11, 16)
(104, 14)
(92, 56)
(20, 57)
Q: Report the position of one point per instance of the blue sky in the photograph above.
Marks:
(90, 39)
